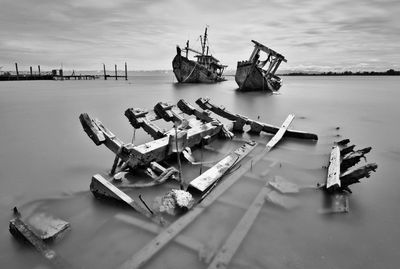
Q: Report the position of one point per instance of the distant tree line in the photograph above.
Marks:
(389, 72)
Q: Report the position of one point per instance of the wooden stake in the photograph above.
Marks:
(16, 69)
(116, 76)
(30, 69)
(104, 70)
(126, 71)
(39, 69)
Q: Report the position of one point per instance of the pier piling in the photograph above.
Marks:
(126, 71)
(16, 69)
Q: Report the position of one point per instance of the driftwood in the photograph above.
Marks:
(240, 121)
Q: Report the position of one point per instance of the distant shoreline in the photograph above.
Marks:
(389, 72)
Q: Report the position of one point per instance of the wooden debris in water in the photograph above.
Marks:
(102, 188)
(283, 186)
(208, 178)
(20, 230)
(47, 227)
(255, 126)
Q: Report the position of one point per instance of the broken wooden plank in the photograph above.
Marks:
(166, 112)
(20, 230)
(232, 243)
(204, 253)
(283, 186)
(278, 136)
(333, 179)
(156, 150)
(205, 180)
(138, 119)
(101, 187)
(204, 116)
(47, 227)
(255, 126)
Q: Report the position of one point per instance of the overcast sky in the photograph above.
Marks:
(313, 35)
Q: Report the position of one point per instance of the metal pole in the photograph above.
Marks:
(30, 70)
(116, 77)
(104, 69)
(39, 69)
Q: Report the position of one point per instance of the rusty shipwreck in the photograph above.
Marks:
(206, 69)
(259, 75)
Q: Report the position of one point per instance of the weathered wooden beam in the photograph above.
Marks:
(354, 176)
(204, 116)
(232, 243)
(208, 178)
(278, 136)
(268, 50)
(137, 118)
(142, 155)
(333, 179)
(21, 230)
(166, 112)
(181, 239)
(101, 187)
(255, 126)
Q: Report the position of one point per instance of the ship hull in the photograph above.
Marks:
(187, 71)
(251, 78)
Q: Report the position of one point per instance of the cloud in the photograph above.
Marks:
(86, 33)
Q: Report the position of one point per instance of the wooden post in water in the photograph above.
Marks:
(16, 69)
(116, 76)
(39, 69)
(30, 70)
(126, 71)
(104, 70)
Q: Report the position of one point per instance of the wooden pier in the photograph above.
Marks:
(58, 74)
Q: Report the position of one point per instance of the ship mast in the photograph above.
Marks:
(203, 44)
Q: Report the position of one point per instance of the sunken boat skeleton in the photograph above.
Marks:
(259, 75)
(196, 127)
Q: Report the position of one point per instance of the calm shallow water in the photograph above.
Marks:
(45, 154)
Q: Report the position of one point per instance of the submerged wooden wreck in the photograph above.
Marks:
(341, 175)
(251, 75)
(206, 69)
(180, 201)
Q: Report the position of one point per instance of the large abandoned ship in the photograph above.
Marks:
(207, 69)
(251, 75)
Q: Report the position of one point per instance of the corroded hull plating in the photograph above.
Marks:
(251, 78)
(187, 71)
